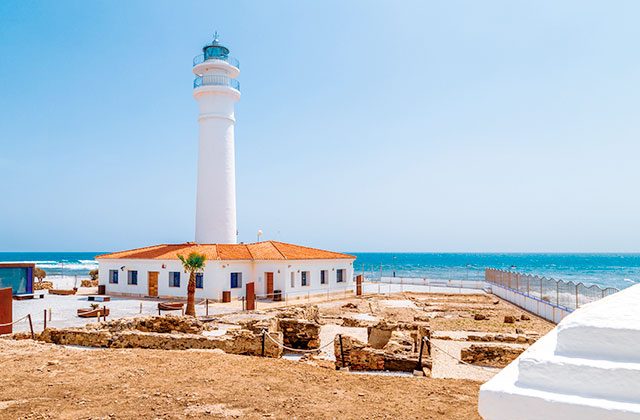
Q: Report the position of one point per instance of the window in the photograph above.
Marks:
(132, 277)
(293, 279)
(174, 279)
(236, 280)
(199, 283)
(340, 275)
(305, 278)
(324, 276)
(113, 276)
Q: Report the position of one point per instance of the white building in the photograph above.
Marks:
(292, 269)
(157, 271)
(587, 368)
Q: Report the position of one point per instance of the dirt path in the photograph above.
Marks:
(46, 381)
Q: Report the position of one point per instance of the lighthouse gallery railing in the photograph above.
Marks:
(199, 59)
(215, 80)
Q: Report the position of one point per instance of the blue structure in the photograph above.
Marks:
(18, 276)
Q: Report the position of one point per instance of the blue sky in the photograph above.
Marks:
(363, 125)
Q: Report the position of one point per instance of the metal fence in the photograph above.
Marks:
(215, 80)
(198, 59)
(565, 295)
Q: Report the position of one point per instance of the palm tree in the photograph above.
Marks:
(193, 264)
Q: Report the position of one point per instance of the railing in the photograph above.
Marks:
(199, 59)
(215, 80)
(564, 295)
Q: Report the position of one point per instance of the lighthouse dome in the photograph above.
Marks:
(215, 50)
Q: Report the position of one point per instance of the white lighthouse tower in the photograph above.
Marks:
(216, 90)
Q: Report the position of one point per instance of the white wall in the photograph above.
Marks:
(216, 190)
(539, 307)
(217, 276)
(282, 275)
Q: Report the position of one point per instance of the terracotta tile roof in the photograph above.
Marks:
(267, 250)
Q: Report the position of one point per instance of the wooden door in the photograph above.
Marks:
(153, 283)
(269, 277)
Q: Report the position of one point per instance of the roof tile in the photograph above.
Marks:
(267, 250)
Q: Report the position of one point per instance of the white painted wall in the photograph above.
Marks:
(217, 276)
(216, 191)
(539, 307)
(586, 368)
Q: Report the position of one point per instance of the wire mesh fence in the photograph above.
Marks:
(567, 295)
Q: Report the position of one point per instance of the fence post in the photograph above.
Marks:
(540, 289)
(576, 296)
(419, 367)
(263, 333)
(33, 336)
(341, 350)
(206, 310)
(557, 293)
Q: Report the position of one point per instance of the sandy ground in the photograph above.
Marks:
(445, 366)
(56, 382)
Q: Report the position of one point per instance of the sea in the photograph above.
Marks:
(609, 270)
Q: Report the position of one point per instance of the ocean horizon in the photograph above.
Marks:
(618, 270)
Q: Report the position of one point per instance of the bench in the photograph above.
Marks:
(99, 298)
(170, 306)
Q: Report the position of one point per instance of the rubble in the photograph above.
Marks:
(487, 355)
(300, 333)
(359, 356)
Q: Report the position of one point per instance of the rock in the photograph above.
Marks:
(495, 302)
(89, 283)
(309, 313)
(42, 285)
(349, 305)
(158, 324)
(509, 319)
(519, 331)
(300, 333)
(234, 341)
(479, 317)
(525, 317)
(399, 342)
(487, 355)
(401, 362)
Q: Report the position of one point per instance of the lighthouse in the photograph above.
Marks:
(242, 270)
(216, 91)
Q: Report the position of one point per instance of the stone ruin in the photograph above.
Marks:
(390, 346)
(167, 332)
(237, 333)
(490, 355)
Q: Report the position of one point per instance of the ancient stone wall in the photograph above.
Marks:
(300, 333)
(486, 355)
(158, 324)
(164, 333)
(362, 357)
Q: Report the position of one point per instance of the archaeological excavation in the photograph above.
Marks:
(422, 334)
